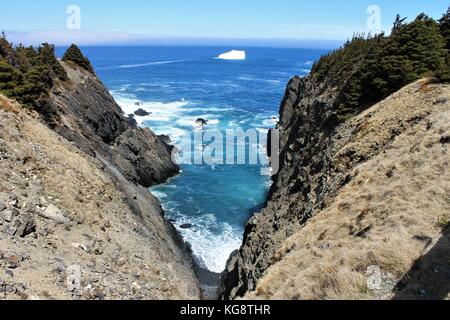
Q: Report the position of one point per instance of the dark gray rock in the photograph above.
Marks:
(97, 125)
(141, 113)
(10, 214)
(186, 226)
(27, 227)
(201, 122)
(132, 120)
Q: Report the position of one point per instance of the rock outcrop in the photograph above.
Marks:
(76, 218)
(341, 203)
(82, 110)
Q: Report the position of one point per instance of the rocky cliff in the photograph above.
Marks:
(353, 201)
(77, 219)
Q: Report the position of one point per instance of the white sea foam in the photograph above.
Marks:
(247, 78)
(212, 249)
(139, 65)
(160, 111)
(233, 55)
(159, 194)
(271, 122)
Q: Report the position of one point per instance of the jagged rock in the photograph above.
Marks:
(201, 122)
(102, 129)
(10, 214)
(186, 226)
(2, 206)
(11, 228)
(132, 120)
(53, 213)
(141, 148)
(27, 226)
(141, 113)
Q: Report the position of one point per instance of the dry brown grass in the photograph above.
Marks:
(384, 216)
(39, 166)
(8, 105)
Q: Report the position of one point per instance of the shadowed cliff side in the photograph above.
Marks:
(371, 192)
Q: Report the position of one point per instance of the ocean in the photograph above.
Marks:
(208, 203)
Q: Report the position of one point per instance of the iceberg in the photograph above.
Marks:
(233, 55)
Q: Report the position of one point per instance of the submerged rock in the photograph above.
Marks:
(201, 122)
(141, 113)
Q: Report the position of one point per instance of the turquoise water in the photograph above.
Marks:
(177, 85)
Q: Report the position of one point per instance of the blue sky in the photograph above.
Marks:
(140, 21)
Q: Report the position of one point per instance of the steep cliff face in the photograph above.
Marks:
(76, 217)
(82, 110)
(340, 203)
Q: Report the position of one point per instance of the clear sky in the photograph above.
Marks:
(110, 21)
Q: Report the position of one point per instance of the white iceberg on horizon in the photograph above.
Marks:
(233, 55)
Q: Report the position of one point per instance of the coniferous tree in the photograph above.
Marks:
(368, 69)
(444, 24)
(75, 55)
(48, 58)
(398, 23)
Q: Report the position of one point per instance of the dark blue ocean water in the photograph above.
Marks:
(180, 84)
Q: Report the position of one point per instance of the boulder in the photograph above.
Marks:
(201, 122)
(9, 215)
(186, 226)
(141, 113)
(27, 227)
(53, 213)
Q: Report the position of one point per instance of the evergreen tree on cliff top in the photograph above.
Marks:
(444, 24)
(368, 69)
(75, 55)
(414, 50)
(445, 27)
(47, 58)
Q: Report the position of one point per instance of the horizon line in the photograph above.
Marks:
(108, 39)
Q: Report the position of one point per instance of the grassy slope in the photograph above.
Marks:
(125, 258)
(386, 216)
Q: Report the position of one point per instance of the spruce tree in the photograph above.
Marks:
(47, 57)
(444, 24)
(75, 55)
